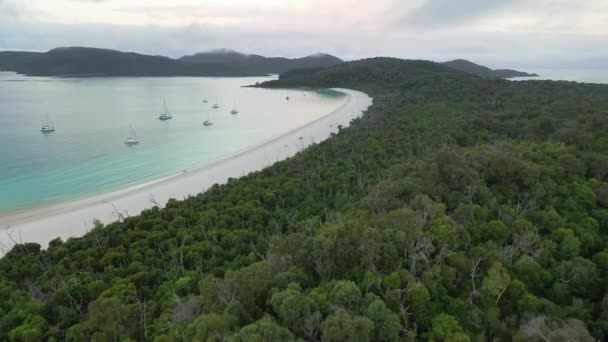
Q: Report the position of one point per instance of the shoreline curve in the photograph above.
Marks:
(75, 218)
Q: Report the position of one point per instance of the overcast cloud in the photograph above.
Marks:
(500, 33)
(433, 14)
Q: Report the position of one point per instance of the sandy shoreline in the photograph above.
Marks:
(75, 218)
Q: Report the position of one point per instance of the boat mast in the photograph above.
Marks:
(132, 132)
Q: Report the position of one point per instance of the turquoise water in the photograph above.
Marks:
(86, 155)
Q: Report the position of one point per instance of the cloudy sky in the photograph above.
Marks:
(500, 33)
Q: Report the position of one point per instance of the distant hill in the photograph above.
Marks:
(80, 61)
(372, 72)
(228, 59)
(479, 70)
(86, 61)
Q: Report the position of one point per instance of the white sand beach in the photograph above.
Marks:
(75, 218)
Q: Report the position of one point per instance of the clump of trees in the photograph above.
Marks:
(456, 209)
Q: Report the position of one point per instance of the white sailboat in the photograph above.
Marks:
(132, 138)
(205, 101)
(166, 115)
(215, 106)
(208, 122)
(234, 111)
(48, 126)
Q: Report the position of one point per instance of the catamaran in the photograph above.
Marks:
(132, 138)
(166, 115)
(47, 127)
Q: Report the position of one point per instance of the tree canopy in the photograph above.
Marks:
(456, 209)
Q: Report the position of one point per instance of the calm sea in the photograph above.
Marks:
(86, 155)
(561, 74)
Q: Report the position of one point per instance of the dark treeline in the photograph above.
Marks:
(82, 61)
(457, 209)
(480, 70)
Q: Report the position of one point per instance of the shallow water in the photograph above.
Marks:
(86, 155)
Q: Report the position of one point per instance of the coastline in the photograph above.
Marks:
(75, 218)
(29, 213)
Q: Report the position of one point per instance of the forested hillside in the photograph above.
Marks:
(457, 209)
(480, 70)
(85, 62)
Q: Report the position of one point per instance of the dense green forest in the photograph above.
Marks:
(456, 209)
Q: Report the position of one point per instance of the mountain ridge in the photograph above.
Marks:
(482, 71)
(86, 61)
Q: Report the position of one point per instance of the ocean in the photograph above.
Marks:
(566, 74)
(86, 155)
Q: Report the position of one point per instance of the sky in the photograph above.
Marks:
(498, 33)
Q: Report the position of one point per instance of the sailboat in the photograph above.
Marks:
(47, 127)
(208, 122)
(287, 98)
(234, 111)
(132, 138)
(205, 101)
(216, 106)
(166, 115)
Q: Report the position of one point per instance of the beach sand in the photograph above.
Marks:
(75, 218)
